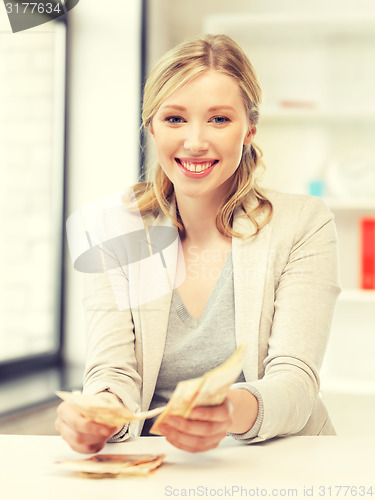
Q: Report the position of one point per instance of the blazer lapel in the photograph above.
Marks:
(250, 261)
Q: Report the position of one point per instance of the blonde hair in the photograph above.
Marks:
(174, 70)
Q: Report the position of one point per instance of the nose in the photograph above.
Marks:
(195, 140)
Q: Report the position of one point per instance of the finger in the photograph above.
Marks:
(81, 424)
(198, 427)
(218, 413)
(79, 432)
(191, 443)
(83, 443)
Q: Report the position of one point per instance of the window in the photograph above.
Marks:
(32, 159)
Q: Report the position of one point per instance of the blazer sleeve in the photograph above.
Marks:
(111, 363)
(305, 293)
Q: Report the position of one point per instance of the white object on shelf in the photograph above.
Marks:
(352, 176)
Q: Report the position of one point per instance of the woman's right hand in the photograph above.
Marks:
(82, 434)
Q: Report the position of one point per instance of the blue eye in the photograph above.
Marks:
(174, 119)
(220, 119)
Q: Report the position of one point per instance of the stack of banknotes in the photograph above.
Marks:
(103, 466)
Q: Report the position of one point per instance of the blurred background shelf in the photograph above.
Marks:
(351, 204)
(357, 295)
(293, 25)
(303, 113)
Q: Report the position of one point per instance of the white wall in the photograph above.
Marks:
(103, 125)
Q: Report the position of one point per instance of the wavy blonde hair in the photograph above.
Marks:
(174, 70)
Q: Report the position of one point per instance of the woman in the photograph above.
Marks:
(261, 268)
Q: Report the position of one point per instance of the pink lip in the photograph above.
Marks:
(196, 175)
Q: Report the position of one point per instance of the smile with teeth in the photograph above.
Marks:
(196, 167)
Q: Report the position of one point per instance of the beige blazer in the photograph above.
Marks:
(285, 289)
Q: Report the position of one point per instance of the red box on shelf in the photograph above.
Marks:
(367, 226)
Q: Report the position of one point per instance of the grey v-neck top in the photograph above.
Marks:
(196, 345)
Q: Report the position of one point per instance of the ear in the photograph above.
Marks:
(249, 135)
(151, 129)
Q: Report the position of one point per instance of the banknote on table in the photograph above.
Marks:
(112, 465)
(208, 390)
(104, 409)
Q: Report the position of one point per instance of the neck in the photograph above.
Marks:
(199, 218)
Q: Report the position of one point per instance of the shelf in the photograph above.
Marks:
(312, 26)
(284, 114)
(357, 295)
(359, 204)
(345, 385)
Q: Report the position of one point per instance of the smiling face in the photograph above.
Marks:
(199, 132)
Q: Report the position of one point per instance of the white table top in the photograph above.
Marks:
(306, 466)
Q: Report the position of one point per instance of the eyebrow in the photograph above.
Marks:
(218, 108)
(174, 106)
(212, 108)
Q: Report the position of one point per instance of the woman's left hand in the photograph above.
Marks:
(202, 431)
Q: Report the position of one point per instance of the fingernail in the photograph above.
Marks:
(103, 431)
